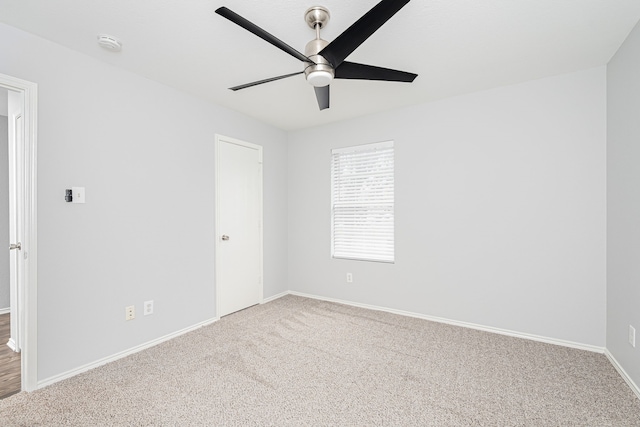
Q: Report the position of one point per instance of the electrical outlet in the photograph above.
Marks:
(349, 278)
(130, 312)
(632, 336)
(148, 307)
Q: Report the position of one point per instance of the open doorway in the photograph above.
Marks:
(10, 372)
(18, 234)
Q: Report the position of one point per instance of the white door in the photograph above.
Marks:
(238, 225)
(16, 204)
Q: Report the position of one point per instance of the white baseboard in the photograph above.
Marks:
(634, 387)
(5, 310)
(275, 297)
(507, 332)
(120, 355)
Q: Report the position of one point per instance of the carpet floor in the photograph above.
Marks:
(303, 362)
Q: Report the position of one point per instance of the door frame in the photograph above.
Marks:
(28, 306)
(220, 139)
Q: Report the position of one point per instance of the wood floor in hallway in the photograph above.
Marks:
(9, 361)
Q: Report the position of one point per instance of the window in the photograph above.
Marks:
(362, 202)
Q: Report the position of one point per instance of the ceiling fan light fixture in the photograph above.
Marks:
(320, 78)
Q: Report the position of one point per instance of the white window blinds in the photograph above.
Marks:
(362, 202)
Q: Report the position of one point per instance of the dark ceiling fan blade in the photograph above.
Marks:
(338, 50)
(352, 70)
(247, 25)
(322, 95)
(259, 82)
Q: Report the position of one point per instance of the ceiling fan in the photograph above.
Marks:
(324, 61)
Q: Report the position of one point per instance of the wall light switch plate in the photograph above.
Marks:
(632, 336)
(78, 194)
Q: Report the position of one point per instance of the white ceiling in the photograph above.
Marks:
(455, 47)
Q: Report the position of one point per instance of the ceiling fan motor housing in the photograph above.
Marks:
(320, 74)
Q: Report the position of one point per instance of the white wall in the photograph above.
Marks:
(623, 204)
(500, 209)
(500, 206)
(4, 209)
(144, 152)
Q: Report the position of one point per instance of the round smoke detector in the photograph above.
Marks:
(109, 42)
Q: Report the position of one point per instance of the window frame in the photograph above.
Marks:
(362, 148)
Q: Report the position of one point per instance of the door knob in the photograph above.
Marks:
(225, 237)
(13, 246)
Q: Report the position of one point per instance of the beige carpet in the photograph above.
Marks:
(302, 362)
